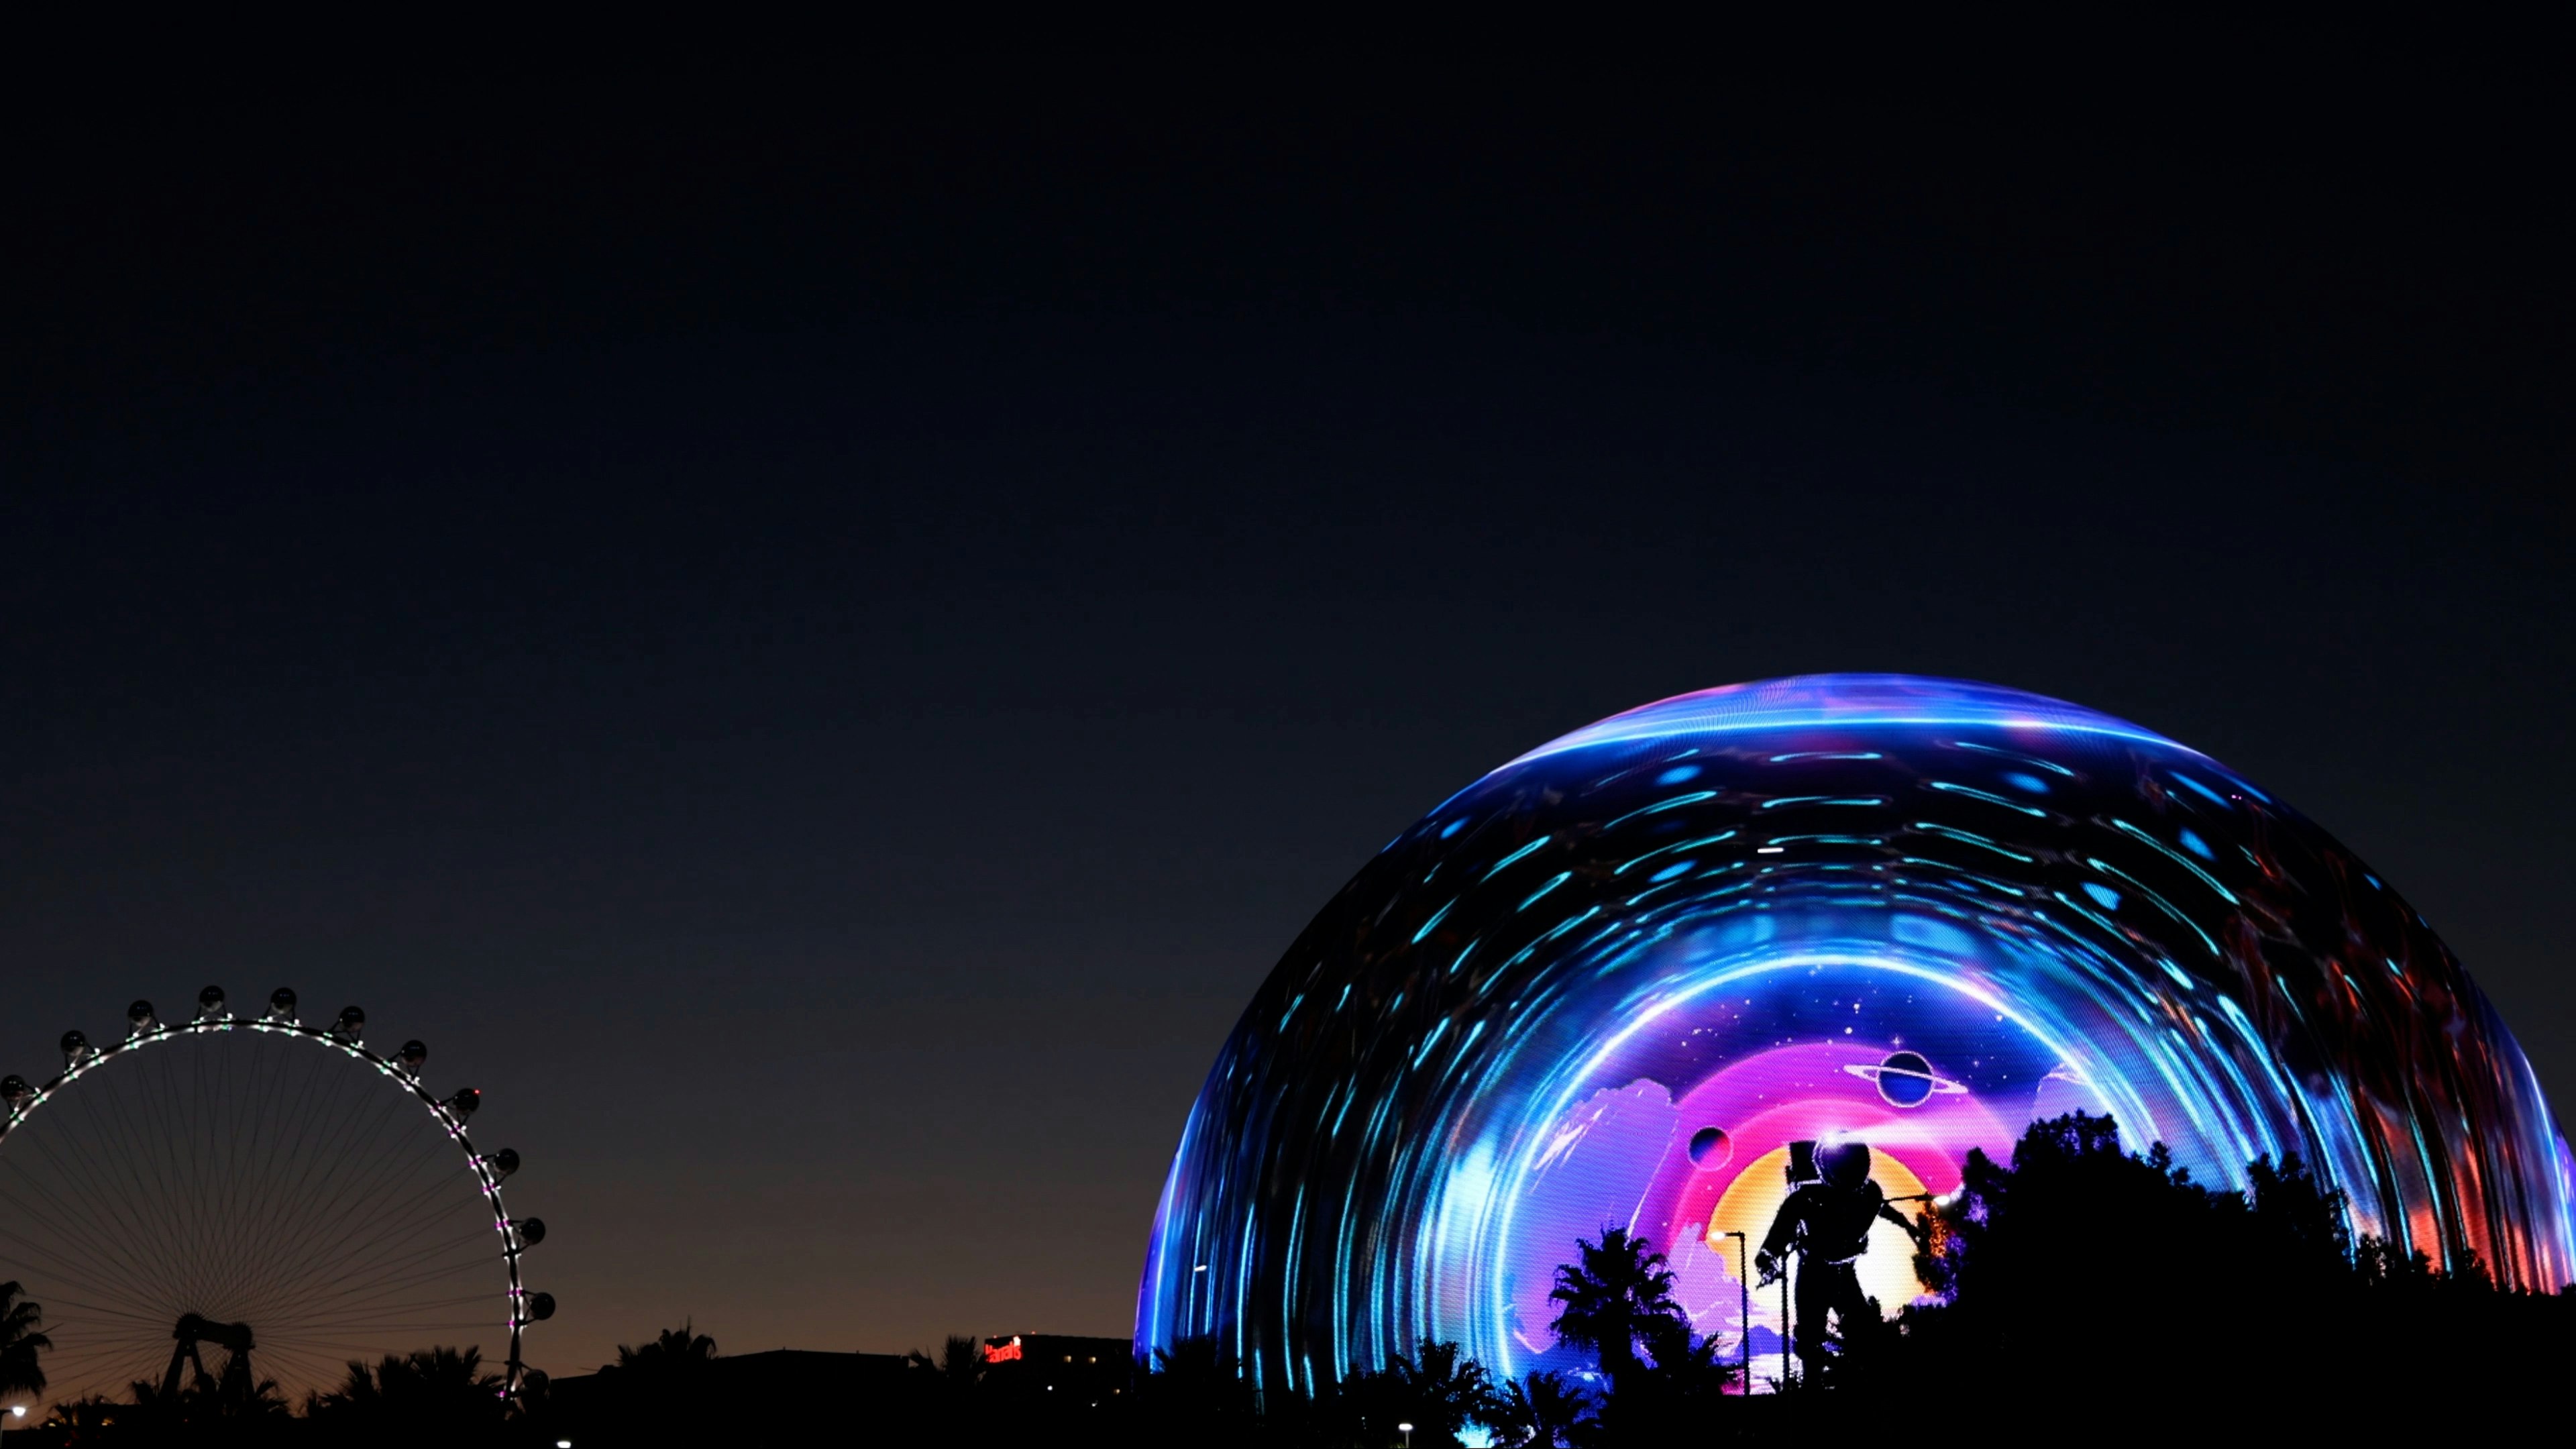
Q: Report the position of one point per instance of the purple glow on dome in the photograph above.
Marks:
(1919, 913)
(1807, 702)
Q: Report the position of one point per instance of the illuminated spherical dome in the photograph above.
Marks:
(1615, 980)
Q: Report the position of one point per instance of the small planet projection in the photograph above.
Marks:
(1711, 1149)
(1905, 1079)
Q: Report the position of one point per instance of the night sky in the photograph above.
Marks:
(816, 633)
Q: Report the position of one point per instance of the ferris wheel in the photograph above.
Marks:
(228, 1202)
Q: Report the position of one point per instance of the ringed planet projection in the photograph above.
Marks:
(1905, 1079)
(1635, 977)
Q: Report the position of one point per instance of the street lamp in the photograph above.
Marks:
(16, 1411)
(1744, 1291)
(1405, 1429)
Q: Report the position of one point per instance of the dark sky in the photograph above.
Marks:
(816, 632)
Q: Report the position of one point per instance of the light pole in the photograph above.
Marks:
(16, 1411)
(1744, 1291)
(1405, 1429)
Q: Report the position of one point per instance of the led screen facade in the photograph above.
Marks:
(1620, 979)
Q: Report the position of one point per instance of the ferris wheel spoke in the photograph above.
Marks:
(296, 1127)
(184, 1149)
(337, 1147)
(100, 1372)
(297, 1351)
(338, 1255)
(92, 1204)
(132, 1156)
(443, 1315)
(393, 1279)
(353, 1343)
(107, 1267)
(105, 1271)
(177, 1168)
(362, 1311)
(379, 1326)
(248, 1126)
(253, 1129)
(88, 1307)
(380, 1294)
(369, 1338)
(274, 1253)
(186, 1167)
(335, 1164)
(416, 1279)
(372, 1336)
(260, 1118)
(155, 1150)
(385, 1178)
(214, 1084)
(311, 1295)
(100, 1320)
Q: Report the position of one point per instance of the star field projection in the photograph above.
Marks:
(1614, 980)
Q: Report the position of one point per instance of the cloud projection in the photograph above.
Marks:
(1614, 980)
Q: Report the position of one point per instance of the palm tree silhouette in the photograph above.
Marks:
(434, 1392)
(1616, 1297)
(1443, 1390)
(236, 1397)
(89, 1419)
(959, 1365)
(1540, 1412)
(663, 1390)
(676, 1351)
(230, 1402)
(20, 1373)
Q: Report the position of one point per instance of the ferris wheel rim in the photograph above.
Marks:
(14, 1115)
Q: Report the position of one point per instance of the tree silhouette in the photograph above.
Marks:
(1194, 1393)
(1438, 1390)
(1618, 1304)
(955, 1372)
(20, 1342)
(2081, 1272)
(229, 1406)
(676, 1353)
(2005, 1252)
(89, 1419)
(1685, 1366)
(656, 1392)
(239, 1398)
(436, 1395)
(1613, 1296)
(1541, 1411)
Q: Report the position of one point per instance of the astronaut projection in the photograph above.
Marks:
(1649, 973)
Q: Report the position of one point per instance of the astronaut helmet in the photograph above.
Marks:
(1846, 1164)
